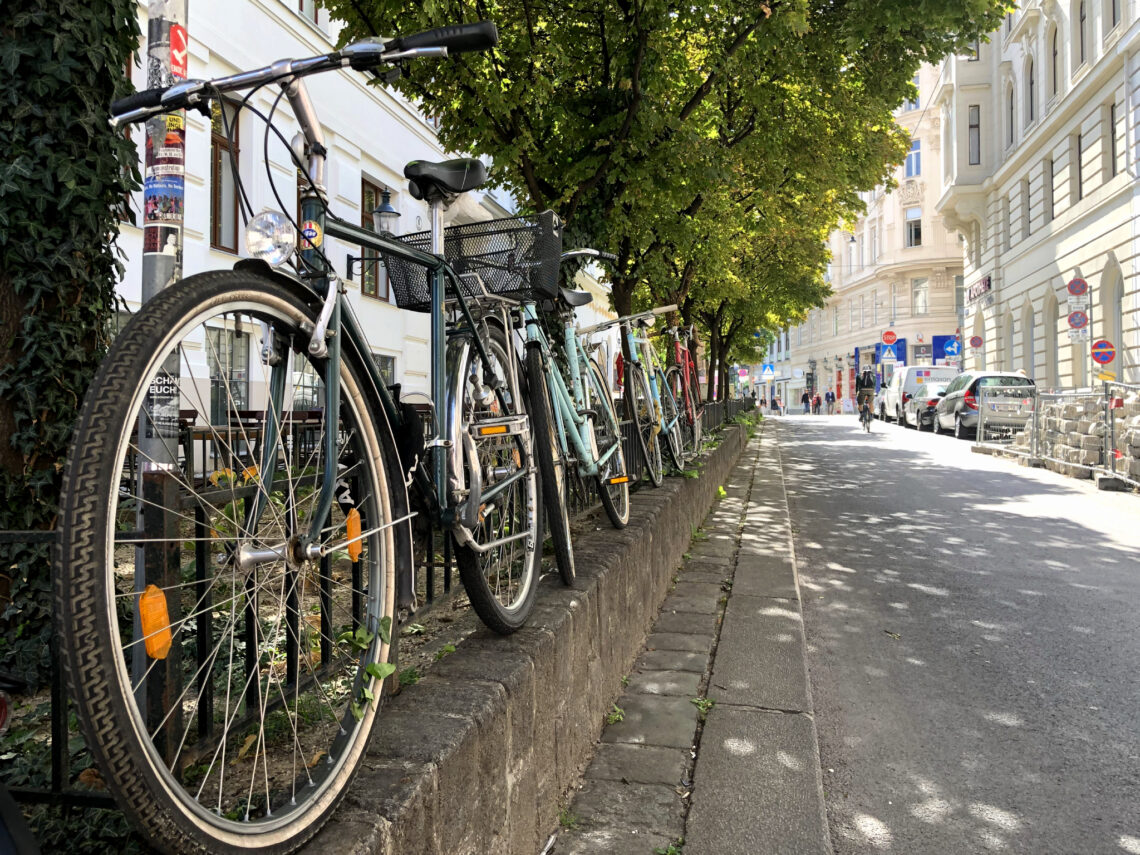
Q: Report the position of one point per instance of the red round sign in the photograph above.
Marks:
(1078, 286)
(1103, 352)
(975, 341)
(889, 337)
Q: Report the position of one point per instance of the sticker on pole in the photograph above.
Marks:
(1078, 287)
(1103, 352)
(889, 337)
(1078, 320)
(311, 235)
(975, 341)
(178, 51)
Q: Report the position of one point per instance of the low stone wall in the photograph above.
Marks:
(1071, 436)
(477, 757)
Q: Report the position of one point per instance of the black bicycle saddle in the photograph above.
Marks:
(430, 181)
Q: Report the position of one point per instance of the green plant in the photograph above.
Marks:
(567, 818)
(63, 181)
(444, 651)
(691, 473)
(414, 629)
(703, 706)
(409, 677)
(721, 492)
(625, 680)
(673, 848)
(615, 715)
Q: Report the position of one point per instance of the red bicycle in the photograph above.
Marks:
(686, 388)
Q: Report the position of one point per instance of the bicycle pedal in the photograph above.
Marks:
(618, 479)
(508, 426)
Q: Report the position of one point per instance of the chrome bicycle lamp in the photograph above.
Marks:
(271, 238)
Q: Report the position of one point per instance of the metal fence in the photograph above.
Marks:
(1081, 433)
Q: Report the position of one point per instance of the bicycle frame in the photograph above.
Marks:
(568, 403)
(684, 360)
(642, 355)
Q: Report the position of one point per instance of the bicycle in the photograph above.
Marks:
(681, 378)
(865, 414)
(648, 403)
(571, 404)
(227, 634)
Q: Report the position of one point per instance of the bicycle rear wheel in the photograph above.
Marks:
(500, 553)
(607, 432)
(671, 423)
(551, 464)
(227, 678)
(642, 412)
(685, 425)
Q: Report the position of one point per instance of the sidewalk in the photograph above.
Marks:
(746, 779)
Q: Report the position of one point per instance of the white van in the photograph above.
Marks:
(909, 380)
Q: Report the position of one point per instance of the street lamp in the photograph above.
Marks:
(384, 216)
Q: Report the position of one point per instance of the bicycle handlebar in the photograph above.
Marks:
(359, 56)
(593, 253)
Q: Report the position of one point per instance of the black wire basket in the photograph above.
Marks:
(515, 257)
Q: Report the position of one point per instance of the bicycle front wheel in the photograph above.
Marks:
(670, 423)
(688, 423)
(551, 464)
(500, 553)
(607, 432)
(643, 413)
(227, 670)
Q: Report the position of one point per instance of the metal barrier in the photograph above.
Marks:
(1122, 446)
(1003, 414)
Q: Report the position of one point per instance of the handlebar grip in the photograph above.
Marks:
(461, 38)
(146, 98)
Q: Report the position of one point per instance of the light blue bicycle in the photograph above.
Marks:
(573, 415)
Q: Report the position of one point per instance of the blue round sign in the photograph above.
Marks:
(952, 347)
(1078, 320)
(1103, 352)
(1078, 287)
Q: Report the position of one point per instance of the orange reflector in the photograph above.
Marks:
(491, 430)
(352, 524)
(618, 479)
(155, 622)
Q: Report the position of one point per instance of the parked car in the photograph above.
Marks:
(918, 411)
(957, 411)
(911, 380)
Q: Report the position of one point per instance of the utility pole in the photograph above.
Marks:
(164, 179)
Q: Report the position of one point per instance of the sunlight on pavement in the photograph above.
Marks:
(932, 810)
(1006, 719)
(874, 831)
(789, 762)
(739, 747)
(1129, 843)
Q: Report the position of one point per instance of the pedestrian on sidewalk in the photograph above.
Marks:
(829, 397)
(805, 399)
(777, 406)
(816, 403)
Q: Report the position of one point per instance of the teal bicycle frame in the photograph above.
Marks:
(635, 344)
(568, 404)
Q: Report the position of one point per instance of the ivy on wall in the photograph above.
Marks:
(64, 175)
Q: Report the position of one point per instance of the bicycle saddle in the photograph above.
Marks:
(576, 298)
(431, 181)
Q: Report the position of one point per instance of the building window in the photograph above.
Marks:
(874, 308)
(1053, 63)
(223, 183)
(914, 159)
(308, 10)
(1026, 223)
(975, 133)
(1112, 152)
(1007, 221)
(1031, 85)
(373, 274)
(874, 244)
(1114, 13)
(1078, 166)
(1082, 29)
(386, 365)
(914, 227)
(835, 320)
(1010, 116)
(227, 356)
(1048, 191)
(920, 296)
(973, 52)
(862, 311)
(912, 103)
(851, 316)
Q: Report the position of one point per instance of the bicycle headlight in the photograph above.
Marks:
(270, 237)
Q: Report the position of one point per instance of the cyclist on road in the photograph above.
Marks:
(864, 392)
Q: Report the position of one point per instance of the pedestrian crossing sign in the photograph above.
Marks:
(767, 372)
(888, 354)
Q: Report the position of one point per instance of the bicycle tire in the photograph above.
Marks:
(177, 794)
(551, 465)
(686, 423)
(502, 603)
(671, 415)
(643, 413)
(607, 430)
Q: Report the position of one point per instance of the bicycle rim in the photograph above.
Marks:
(502, 580)
(683, 396)
(643, 413)
(607, 432)
(551, 465)
(228, 683)
(671, 423)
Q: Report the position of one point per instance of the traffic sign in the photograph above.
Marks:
(1103, 352)
(952, 347)
(767, 372)
(888, 354)
(1079, 334)
(975, 341)
(1081, 302)
(1078, 286)
(742, 373)
(1078, 320)
(1106, 375)
(889, 337)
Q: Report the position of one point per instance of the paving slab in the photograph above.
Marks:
(670, 682)
(724, 548)
(698, 597)
(691, 623)
(764, 576)
(760, 658)
(610, 841)
(679, 641)
(653, 720)
(645, 807)
(676, 660)
(639, 764)
(712, 563)
(710, 574)
(757, 787)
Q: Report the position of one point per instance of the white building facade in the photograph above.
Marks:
(370, 133)
(1040, 137)
(897, 271)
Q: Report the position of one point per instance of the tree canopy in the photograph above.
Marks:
(710, 146)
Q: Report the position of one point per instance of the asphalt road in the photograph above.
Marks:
(973, 634)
